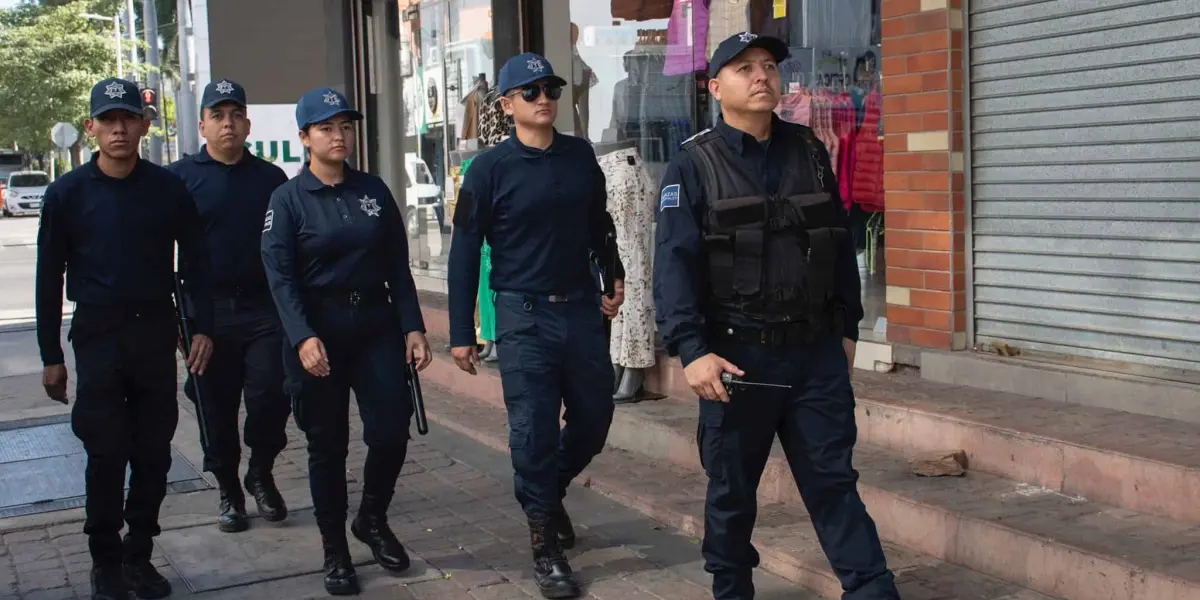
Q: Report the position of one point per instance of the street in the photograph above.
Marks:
(454, 509)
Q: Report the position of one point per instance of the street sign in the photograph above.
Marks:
(63, 135)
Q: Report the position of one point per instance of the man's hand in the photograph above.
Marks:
(416, 348)
(704, 375)
(54, 379)
(466, 357)
(202, 348)
(610, 306)
(313, 357)
(848, 346)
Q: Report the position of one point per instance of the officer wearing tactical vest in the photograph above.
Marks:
(755, 277)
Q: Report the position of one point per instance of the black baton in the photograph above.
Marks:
(185, 334)
(414, 390)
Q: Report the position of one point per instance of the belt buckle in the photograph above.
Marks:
(354, 298)
(556, 298)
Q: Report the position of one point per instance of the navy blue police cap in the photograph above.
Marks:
(217, 92)
(323, 104)
(115, 94)
(738, 43)
(524, 69)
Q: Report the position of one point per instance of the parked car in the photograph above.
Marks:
(23, 193)
(421, 193)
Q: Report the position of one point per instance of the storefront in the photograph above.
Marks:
(637, 72)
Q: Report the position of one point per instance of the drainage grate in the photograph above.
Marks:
(42, 468)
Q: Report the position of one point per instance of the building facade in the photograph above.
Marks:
(1022, 177)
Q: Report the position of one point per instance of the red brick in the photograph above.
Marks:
(960, 320)
(903, 162)
(960, 282)
(931, 299)
(936, 240)
(929, 338)
(928, 102)
(936, 182)
(896, 27)
(929, 61)
(902, 277)
(903, 315)
(959, 261)
(904, 239)
(894, 105)
(938, 319)
(929, 261)
(935, 121)
(934, 20)
(936, 280)
(898, 334)
(935, 221)
(897, 8)
(904, 84)
(895, 65)
(895, 181)
(899, 199)
(957, 198)
(916, 43)
(903, 123)
(895, 143)
(932, 82)
(959, 221)
(958, 183)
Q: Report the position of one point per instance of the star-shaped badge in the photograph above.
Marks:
(332, 99)
(536, 65)
(369, 206)
(747, 37)
(225, 87)
(114, 90)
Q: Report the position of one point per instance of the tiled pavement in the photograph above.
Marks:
(453, 509)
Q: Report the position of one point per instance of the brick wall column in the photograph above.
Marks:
(923, 172)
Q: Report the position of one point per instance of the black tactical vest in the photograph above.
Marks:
(771, 257)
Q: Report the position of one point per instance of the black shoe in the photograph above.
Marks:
(261, 484)
(145, 581)
(233, 505)
(371, 528)
(563, 529)
(340, 578)
(551, 571)
(108, 583)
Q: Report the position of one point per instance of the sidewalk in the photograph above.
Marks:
(454, 511)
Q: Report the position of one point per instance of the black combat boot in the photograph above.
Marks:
(145, 581)
(233, 504)
(550, 568)
(371, 528)
(340, 578)
(108, 583)
(261, 484)
(560, 522)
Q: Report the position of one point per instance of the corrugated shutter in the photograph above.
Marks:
(1085, 169)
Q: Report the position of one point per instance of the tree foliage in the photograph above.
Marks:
(50, 57)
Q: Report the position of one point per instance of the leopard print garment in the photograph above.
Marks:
(494, 125)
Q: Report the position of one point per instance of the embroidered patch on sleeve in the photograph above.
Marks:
(669, 197)
(269, 221)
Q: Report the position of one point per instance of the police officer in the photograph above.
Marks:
(538, 198)
(755, 276)
(112, 226)
(232, 187)
(336, 257)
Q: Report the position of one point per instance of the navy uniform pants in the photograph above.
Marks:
(815, 424)
(553, 354)
(365, 348)
(245, 359)
(125, 414)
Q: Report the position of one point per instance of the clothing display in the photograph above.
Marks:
(641, 10)
(867, 185)
(494, 125)
(686, 35)
(725, 18)
(650, 107)
(631, 202)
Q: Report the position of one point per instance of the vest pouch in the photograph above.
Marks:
(786, 272)
(735, 213)
(823, 245)
(748, 261)
(720, 265)
(817, 210)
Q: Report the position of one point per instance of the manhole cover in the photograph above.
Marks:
(42, 465)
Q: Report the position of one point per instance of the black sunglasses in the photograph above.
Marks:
(531, 92)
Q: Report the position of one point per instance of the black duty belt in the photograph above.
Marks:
(777, 334)
(348, 297)
(551, 298)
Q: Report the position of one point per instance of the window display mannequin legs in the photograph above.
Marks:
(629, 384)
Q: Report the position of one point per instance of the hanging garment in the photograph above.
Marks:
(494, 125)
(764, 22)
(470, 116)
(641, 10)
(686, 33)
(796, 108)
(631, 194)
(725, 18)
(867, 185)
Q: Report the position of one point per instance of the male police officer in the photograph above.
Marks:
(755, 276)
(539, 200)
(232, 188)
(112, 226)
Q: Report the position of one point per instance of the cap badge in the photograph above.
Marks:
(114, 90)
(536, 65)
(224, 87)
(747, 37)
(332, 99)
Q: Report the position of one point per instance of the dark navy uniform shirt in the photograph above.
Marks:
(680, 268)
(541, 211)
(348, 237)
(116, 240)
(232, 200)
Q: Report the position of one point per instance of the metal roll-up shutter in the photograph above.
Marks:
(1085, 177)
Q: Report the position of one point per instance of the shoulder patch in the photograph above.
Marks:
(269, 221)
(669, 197)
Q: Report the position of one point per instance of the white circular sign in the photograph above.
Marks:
(64, 135)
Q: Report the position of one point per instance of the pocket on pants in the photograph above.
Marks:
(518, 433)
(713, 457)
(514, 319)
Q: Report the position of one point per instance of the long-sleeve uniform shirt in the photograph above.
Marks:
(542, 212)
(115, 239)
(319, 239)
(680, 262)
(232, 200)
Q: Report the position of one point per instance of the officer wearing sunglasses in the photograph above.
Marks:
(539, 198)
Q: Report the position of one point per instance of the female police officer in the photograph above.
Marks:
(336, 258)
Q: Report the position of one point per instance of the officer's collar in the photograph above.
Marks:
(310, 182)
(556, 144)
(204, 157)
(96, 173)
(736, 138)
